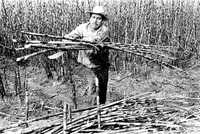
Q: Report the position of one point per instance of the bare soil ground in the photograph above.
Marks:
(172, 84)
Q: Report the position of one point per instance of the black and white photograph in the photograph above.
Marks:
(100, 66)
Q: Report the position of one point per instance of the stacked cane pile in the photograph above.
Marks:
(137, 114)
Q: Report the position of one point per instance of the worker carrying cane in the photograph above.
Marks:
(96, 31)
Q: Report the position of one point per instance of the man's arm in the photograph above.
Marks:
(75, 34)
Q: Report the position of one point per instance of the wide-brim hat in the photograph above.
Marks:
(99, 10)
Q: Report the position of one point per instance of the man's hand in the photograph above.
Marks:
(99, 47)
(101, 44)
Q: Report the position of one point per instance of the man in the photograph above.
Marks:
(95, 31)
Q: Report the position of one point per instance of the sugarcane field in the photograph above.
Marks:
(100, 66)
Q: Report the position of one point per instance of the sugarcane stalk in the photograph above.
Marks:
(57, 130)
(55, 37)
(143, 124)
(31, 55)
(84, 127)
(64, 48)
(27, 105)
(69, 113)
(91, 131)
(98, 103)
(52, 108)
(69, 117)
(65, 118)
(133, 130)
(45, 130)
(5, 114)
(143, 51)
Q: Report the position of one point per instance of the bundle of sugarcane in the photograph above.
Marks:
(140, 113)
(148, 52)
(52, 45)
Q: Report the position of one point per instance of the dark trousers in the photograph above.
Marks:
(101, 73)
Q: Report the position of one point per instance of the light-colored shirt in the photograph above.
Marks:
(85, 33)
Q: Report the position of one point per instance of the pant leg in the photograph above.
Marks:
(102, 76)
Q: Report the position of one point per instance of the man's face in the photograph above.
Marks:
(96, 21)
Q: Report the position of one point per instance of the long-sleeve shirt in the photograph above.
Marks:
(88, 57)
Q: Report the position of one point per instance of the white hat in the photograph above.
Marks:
(99, 10)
